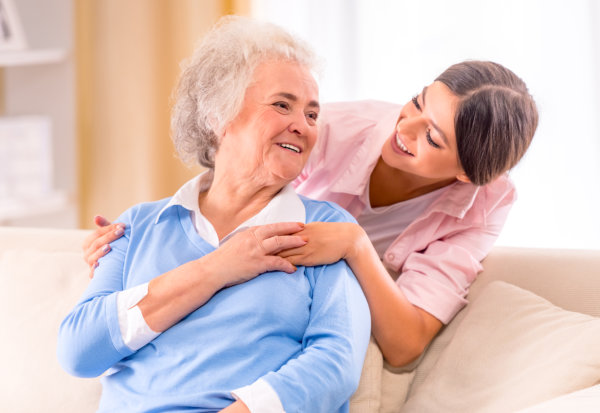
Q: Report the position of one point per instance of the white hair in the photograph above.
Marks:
(214, 80)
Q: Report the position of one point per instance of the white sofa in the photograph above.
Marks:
(509, 349)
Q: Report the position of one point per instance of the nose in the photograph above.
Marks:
(298, 124)
(410, 127)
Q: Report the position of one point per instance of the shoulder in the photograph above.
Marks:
(345, 122)
(325, 211)
(344, 119)
(500, 191)
(143, 212)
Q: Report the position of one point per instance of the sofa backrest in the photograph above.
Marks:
(569, 279)
(42, 274)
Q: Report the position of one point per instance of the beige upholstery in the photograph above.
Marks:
(569, 279)
(43, 275)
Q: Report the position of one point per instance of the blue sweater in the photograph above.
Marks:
(305, 333)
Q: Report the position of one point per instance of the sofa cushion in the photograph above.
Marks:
(513, 349)
(38, 289)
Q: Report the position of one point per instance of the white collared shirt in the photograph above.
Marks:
(286, 206)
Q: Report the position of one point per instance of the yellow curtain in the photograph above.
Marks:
(128, 55)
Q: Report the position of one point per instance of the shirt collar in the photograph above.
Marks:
(286, 206)
(187, 195)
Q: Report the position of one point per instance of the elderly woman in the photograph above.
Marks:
(182, 314)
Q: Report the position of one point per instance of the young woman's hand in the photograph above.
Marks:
(327, 242)
(96, 245)
(254, 251)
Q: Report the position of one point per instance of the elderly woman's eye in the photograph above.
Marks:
(312, 115)
(282, 105)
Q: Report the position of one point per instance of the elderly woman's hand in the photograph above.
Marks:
(327, 242)
(254, 251)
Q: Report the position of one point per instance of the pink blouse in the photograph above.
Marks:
(438, 255)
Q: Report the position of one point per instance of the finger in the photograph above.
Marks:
(93, 257)
(301, 260)
(100, 221)
(279, 228)
(97, 248)
(279, 264)
(92, 268)
(292, 251)
(99, 232)
(278, 243)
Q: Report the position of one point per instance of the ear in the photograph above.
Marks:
(463, 178)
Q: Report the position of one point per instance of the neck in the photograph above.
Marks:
(230, 201)
(388, 186)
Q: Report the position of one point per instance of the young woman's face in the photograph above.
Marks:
(276, 128)
(424, 143)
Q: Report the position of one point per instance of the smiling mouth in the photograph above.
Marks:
(290, 147)
(402, 146)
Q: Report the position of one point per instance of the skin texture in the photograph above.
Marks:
(419, 156)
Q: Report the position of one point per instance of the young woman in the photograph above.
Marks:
(427, 184)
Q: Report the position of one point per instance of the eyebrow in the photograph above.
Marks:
(294, 98)
(436, 127)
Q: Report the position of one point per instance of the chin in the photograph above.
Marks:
(285, 173)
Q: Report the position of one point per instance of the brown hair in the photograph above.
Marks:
(495, 121)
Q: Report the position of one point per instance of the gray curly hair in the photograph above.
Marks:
(214, 80)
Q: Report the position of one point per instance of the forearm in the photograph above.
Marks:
(401, 329)
(89, 339)
(176, 293)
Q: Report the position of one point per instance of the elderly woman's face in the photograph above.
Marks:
(276, 128)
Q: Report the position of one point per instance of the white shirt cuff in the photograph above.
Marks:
(134, 329)
(259, 397)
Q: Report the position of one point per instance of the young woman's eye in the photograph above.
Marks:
(415, 102)
(431, 141)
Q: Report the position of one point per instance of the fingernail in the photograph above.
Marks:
(120, 231)
(106, 248)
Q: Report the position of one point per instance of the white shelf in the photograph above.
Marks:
(31, 57)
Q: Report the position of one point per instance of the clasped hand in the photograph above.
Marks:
(272, 247)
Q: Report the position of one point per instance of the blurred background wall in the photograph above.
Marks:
(128, 56)
(108, 92)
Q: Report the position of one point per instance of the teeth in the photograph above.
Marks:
(401, 145)
(290, 147)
